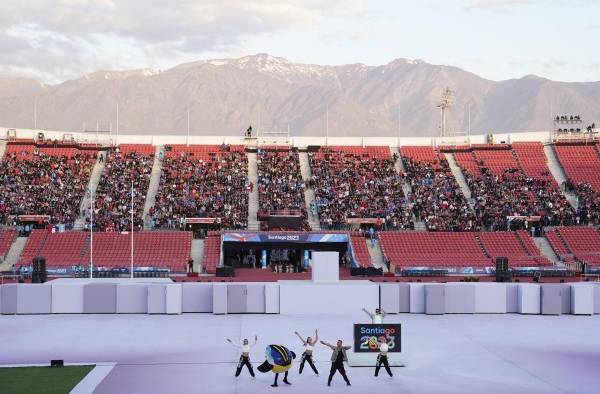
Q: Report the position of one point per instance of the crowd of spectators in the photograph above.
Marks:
(436, 196)
(280, 184)
(112, 202)
(588, 207)
(33, 182)
(358, 184)
(212, 186)
(500, 193)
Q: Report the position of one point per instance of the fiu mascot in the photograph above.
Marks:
(278, 360)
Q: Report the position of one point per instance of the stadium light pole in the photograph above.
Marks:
(132, 229)
(117, 139)
(187, 139)
(35, 113)
(327, 126)
(91, 233)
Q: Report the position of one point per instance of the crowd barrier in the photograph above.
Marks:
(294, 297)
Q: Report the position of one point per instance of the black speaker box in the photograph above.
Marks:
(358, 271)
(38, 274)
(225, 271)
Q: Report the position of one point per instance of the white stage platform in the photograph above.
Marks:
(496, 353)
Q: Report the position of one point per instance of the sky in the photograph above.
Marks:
(57, 40)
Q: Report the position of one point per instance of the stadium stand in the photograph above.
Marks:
(513, 181)
(576, 244)
(43, 181)
(207, 181)
(358, 182)
(212, 252)
(581, 164)
(159, 249)
(458, 249)
(360, 250)
(7, 236)
(112, 204)
(280, 183)
(436, 196)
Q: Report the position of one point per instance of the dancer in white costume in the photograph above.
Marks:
(245, 356)
(309, 344)
(382, 358)
(377, 317)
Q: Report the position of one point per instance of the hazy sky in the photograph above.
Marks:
(55, 40)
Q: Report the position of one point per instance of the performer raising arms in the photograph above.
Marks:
(337, 360)
(309, 344)
(377, 317)
(382, 358)
(245, 357)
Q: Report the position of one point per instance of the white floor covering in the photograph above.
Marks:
(188, 353)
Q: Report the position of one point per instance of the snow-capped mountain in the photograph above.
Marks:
(224, 96)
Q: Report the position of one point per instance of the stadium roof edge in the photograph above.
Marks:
(106, 138)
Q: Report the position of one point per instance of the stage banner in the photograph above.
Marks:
(284, 237)
(366, 337)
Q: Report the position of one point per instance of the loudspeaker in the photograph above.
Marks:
(225, 271)
(357, 271)
(38, 274)
(502, 273)
(501, 264)
(57, 363)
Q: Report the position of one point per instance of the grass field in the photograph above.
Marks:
(26, 380)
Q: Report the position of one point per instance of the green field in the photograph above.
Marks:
(26, 380)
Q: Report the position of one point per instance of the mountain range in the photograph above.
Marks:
(224, 96)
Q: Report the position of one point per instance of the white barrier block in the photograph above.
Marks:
(132, 298)
(219, 298)
(529, 298)
(490, 297)
(460, 297)
(389, 297)
(197, 297)
(67, 297)
(271, 297)
(173, 299)
(582, 299)
(417, 297)
(157, 299)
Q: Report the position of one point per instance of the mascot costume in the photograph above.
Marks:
(278, 359)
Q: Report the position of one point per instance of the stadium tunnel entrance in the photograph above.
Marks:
(283, 252)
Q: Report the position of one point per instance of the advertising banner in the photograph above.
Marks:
(366, 337)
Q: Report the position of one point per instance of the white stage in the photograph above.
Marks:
(496, 353)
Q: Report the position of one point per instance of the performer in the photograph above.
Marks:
(382, 358)
(337, 360)
(309, 344)
(377, 317)
(245, 357)
(277, 359)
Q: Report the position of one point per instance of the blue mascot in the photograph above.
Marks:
(278, 359)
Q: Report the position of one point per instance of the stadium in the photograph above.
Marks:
(181, 212)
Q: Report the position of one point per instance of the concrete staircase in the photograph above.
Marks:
(546, 250)
(419, 225)
(376, 255)
(309, 192)
(253, 223)
(2, 148)
(153, 185)
(460, 178)
(557, 172)
(92, 185)
(197, 254)
(12, 257)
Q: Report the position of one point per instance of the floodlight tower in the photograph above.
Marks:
(446, 101)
